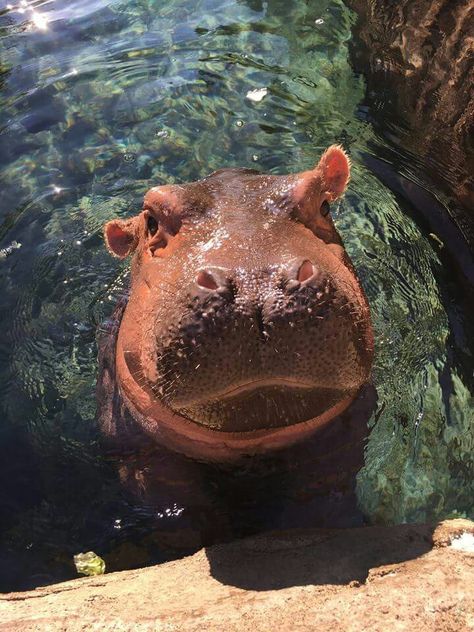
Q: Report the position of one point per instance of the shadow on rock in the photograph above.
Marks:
(318, 556)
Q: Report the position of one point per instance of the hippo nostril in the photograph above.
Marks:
(206, 280)
(305, 271)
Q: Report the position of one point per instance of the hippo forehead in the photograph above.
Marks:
(233, 191)
(235, 182)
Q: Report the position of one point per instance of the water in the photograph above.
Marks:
(98, 101)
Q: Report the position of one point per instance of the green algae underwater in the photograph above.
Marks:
(101, 100)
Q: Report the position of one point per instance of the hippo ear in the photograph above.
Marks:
(326, 182)
(121, 236)
(334, 169)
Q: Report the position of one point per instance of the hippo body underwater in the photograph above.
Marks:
(241, 360)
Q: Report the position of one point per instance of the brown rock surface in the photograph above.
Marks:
(409, 578)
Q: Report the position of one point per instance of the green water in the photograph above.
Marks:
(100, 100)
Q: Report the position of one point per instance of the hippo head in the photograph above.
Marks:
(246, 327)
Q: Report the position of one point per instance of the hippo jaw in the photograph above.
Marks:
(287, 377)
(198, 441)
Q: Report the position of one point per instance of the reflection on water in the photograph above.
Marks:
(99, 100)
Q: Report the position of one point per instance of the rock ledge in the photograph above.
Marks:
(409, 577)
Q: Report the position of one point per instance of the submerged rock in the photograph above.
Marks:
(421, 53)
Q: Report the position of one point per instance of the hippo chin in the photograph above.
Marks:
(246, 329)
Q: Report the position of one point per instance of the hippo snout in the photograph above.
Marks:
(259, 348)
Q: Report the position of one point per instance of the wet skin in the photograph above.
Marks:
(246, 328)
(246, 341)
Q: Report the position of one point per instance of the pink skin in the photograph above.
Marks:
(305, 195)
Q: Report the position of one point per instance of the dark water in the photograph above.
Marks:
(100, 100)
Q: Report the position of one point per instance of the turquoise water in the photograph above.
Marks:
(99, 101)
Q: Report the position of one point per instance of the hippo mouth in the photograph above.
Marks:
(260, 404)
(247, 418)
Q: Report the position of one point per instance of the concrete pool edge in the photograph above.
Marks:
(371, 578)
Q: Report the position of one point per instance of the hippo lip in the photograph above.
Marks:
(243, 388)
(260, 404)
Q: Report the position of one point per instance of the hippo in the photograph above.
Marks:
(246, 337)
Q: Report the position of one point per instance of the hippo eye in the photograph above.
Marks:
(152, 225)
(325, 208)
